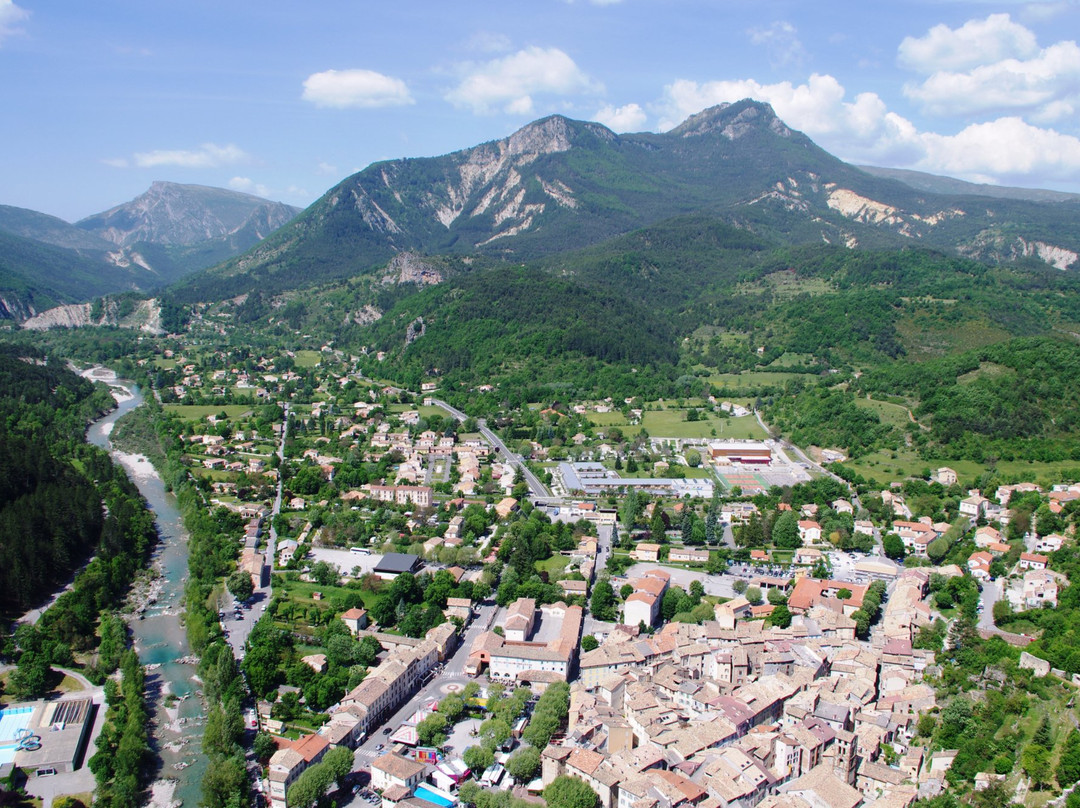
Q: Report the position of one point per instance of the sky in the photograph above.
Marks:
(285, 99)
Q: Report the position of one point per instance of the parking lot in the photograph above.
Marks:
(345, 560)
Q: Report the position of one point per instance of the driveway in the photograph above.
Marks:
(991, 594)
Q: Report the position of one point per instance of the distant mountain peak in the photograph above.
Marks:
(552, 134)
(171, 213)
(733, 121)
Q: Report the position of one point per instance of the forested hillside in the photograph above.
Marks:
(52, 486)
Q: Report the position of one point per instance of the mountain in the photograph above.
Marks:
(148, 243)
(935, 184)
(559, 184)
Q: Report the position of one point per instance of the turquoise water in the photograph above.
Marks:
(7, 754)
(424, 793)
(159, 638)
(12, 720)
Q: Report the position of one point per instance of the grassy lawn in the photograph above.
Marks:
(756, 378)
(308, 359)
(553, 566)
(165, 364)
(746, 428)
(424, 411)
(199, 412)
(884, 468)
(300, 592)
(673, 424)
(613, 418)
(891, 414)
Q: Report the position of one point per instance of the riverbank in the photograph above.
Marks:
(154, 613)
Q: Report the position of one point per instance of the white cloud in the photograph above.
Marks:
(209, 155)
(976, 42)
(115, 162)
(249, 186)
(1007, 149)
(627, 118)
(781, 40)
(1048, 85)
(865, 131)
(355, 88)
(509, 83)
(326, 168)
(10, 17)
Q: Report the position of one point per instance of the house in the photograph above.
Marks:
(1049, 544)
(688, 555)
(394, 770)
(355, 620)
(289, 763)
(979, 564)
(506, 507)
(575, 588)
(809, 531)
(641, 607)
(1041, 588)
(916, 536)
(759, 555)
(973, 506)
(520, 620)
(810, 592)
(646, 551)
(808, 555)
(946, 476)
(1033, 561)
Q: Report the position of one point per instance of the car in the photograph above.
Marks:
(387, 730)
(378, 747)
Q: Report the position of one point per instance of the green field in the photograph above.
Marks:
(424, 411)
(891, 414)
(199, 412)
(308, 359)
(553, 566)
(883, 467)
(673, 424)
(756, 378)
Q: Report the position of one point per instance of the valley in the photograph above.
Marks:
(694, 468)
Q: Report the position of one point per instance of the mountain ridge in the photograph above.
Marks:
(559, 184)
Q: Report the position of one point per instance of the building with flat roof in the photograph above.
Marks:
(394, 564)
(46, 737)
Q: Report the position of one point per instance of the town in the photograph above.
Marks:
(658, 600)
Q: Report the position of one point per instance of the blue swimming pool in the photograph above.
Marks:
(12, 720)
(426, 793)
(7, 753)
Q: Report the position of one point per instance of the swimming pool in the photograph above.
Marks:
(426, 793)
(12, 720)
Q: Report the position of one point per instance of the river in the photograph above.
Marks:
(159, 636)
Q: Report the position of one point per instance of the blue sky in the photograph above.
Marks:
(285, 99)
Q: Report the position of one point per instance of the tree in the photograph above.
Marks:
(602, 604)
(240, 585)
(325, 574)
(753, 594)
(1068, 768)
(478, 758)
(570, 792)
(937, 549)
(264, 746)
(524, 764)
(1036, 763)
(739, 585)
(780, 616)
(589, 643)
(785, 532)
(658, 525)
(431, 730)
(894, 547)
(338, 762)
(693, 458)
(494, 732)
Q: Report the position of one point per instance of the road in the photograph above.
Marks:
(237, 629)
(536, 488)
(991, 594)
(451, 679)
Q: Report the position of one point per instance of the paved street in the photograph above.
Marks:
(991, 594)
(536, 488)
